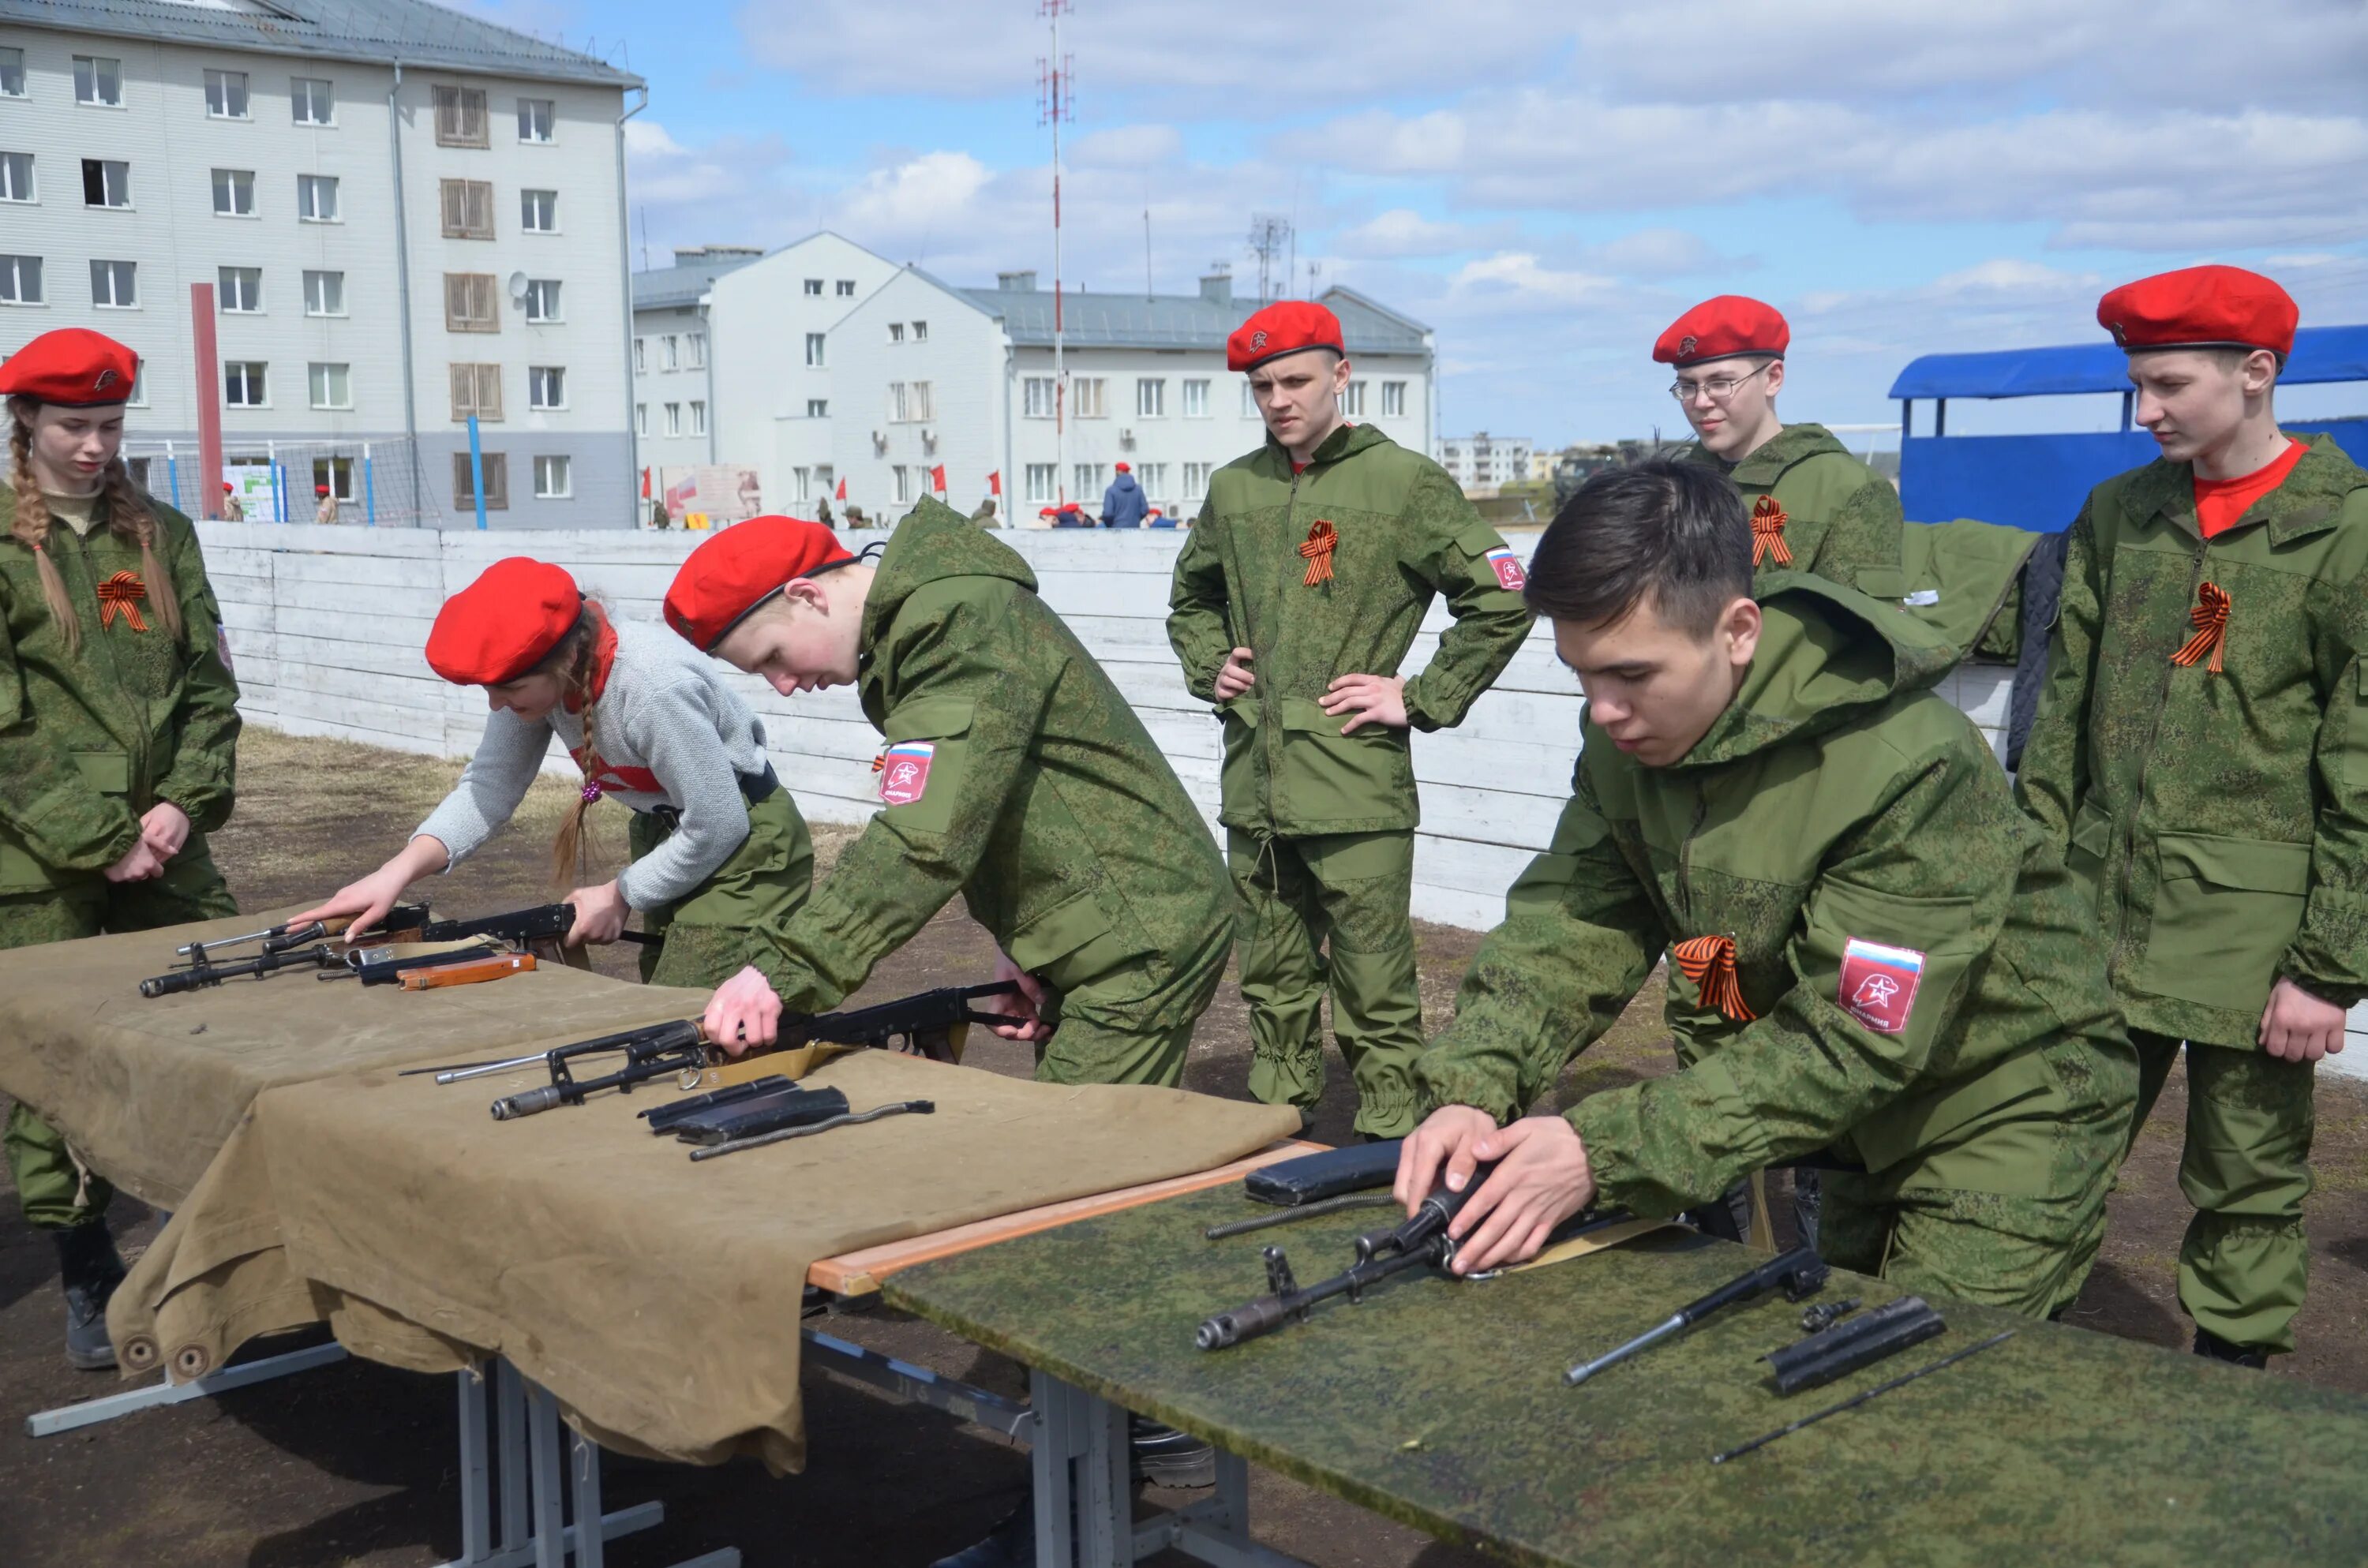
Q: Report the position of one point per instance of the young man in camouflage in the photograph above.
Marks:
(2201, 759)
(1874, 955)
(1295, 601)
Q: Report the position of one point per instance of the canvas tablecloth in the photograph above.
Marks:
(657, 1298)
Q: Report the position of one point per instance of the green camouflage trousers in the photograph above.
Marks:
(2246, 1166)
(1331, 912)
(1104, 1033)
(713, 931)
(56, 1191)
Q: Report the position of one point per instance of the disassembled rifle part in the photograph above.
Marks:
(1825, 1314)
(893, 1108)
(1834, 1353)
(1858, 1399)
(1303, 1211)
(1800, 1274)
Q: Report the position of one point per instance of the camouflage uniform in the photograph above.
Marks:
(1980, 1104)
(717, 928)
(87, 743)
(1018, 775)
(1320, 825)
(2217, 812)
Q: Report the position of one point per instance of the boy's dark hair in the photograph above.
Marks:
(1674, 530)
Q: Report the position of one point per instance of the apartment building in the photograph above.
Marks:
(674, 373)
(926, 377)
(1482, 463)
(406, 216)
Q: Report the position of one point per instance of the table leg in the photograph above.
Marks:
(114, 1407)
(477, 1499)
(584, 1461)
(1084, 1506)
(543, 1465)
(510, 1400)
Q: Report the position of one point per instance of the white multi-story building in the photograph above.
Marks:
(674, 373)
(407, 215)
(1481, 463)
(925, 377)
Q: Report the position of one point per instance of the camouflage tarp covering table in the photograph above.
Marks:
(1441, 1404)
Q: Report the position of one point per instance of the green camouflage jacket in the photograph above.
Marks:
(1911, 963)
(2220, 815)
(1015, 773)
(1840, 518)
(1402, 533)
(88, 742)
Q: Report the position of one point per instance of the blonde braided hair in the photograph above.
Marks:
(128, 517)
(574, 663)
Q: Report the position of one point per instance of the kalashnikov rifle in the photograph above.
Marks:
(537, 931)
(401, 924)
(371, 966)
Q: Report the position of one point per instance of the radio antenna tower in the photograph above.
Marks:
(1269, 240)
(1056, 104)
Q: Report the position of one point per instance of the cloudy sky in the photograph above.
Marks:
(1546, 192)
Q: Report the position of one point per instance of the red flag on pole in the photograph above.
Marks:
(842, 490)
(994, 482)
(645, 484)
(938, 479)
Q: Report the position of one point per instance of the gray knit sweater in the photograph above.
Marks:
(664, 712)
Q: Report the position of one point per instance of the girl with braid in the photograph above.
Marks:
(718, 850)
(118, 731)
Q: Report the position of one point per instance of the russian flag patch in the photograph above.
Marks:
(1878, 984)
(1508, 567)
(905, 772)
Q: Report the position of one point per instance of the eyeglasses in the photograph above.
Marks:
(1720, 388)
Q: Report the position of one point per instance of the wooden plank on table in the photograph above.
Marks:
(860, 1273)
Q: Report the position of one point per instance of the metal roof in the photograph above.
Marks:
(411, 31)
(1178, 321)
(684, 283)
(2320, 353)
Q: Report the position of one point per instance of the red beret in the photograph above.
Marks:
(1284, 327)
(1122, 468)
(73, 367)
(1720, 329)
(2201, 307)
(504, 624)
(320, 490)
(228, 487)
(740, 568)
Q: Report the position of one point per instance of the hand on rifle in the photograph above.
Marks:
(1542, 1179)
(744, 1012)
(164, 827)
(599, 915)
(369, 899)
(1022, 1008)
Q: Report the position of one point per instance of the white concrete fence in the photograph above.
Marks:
(328, 626)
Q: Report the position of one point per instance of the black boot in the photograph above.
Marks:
(2212, 1348)
(90, 1270)
(1164, 1457)
(1010, 1544)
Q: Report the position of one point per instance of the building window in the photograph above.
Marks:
(536, 118)
(813, 349)
(1153, 477)
(896, 332)
(925, 402)
(1249, 401)
(226, 95)
(1151, 399)
(846, 289)
(17, 178)
(337, 473)
(640, 356)
(468, 207)
(641, 419)
(114, 285)
(1196, 480)
(324, 293)
(670, 352)
(469, 302)
(546, 386)
(1394, 400)
(920, 332)
(697, 417)
(1039, 481)
(460, 118)
(139, 398)
(105, 182)
(1352, 400)
(543, 303)
(316, 199)
(904, 477)
(818, 408)
(313, 100)
(895, 402)
(20, 280)
(552, 479)
(12, 73)
(477, 389)
(814, 286)
(242, 383)
(1036, 397)
(695, 351)
(1085, 399)
(1091, 479)
(239, 289)
(331, 385)
(99, 79)
(802, 484)
(234, 193)
(497, 479)
(1196, 400)
(539, 211)
(673, 419)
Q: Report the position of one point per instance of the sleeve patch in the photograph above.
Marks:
(1878, 984)
(1508, 567)
(905, 772)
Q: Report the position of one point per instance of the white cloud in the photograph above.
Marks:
(1517, 277)
(1661, 253)
(1127, 147)
(923, 195)
(1403, 232)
